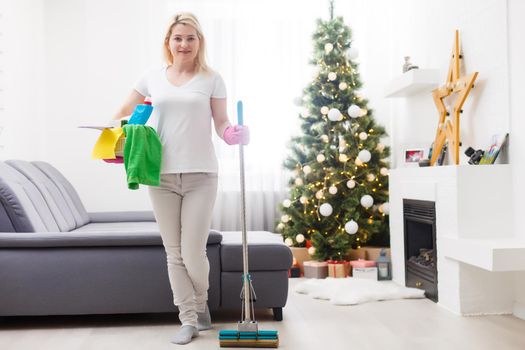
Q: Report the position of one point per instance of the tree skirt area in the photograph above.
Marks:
(353, 291)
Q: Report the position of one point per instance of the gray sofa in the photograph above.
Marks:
(57, 259)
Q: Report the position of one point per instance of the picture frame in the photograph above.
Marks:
(414, 155)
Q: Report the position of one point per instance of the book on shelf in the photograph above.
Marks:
(491, 154)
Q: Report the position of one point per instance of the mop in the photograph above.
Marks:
(247, 334)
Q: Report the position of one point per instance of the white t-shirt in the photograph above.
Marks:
(182, 117)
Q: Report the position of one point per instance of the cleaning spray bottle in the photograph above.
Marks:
(141, 113)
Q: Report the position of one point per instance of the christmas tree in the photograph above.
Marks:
(339, 188)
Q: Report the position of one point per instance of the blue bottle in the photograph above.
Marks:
(141, 113)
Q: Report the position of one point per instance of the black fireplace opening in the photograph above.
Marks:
(419, 219)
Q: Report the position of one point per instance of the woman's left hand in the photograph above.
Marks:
(238, 134)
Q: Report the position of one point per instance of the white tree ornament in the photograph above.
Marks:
(365, 156)
(352, 53)
(367, 201)
(335, 115)
(326, 209)
(351, 227)
(354, 111)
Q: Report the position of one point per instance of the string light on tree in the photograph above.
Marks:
(370, 177)
(383, 171)
(325, 138)
(343, 158)
(303, 200)
(319, 194)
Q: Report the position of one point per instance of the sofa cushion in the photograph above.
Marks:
(94, 235)
(52, 195)
(23, 202)
(68, 192)
(266, 251)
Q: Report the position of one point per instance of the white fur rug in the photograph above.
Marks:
(352, 291)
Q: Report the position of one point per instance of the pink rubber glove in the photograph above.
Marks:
(234, 135)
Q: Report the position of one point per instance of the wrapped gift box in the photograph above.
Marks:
(365, 272)
(362, 263)
(338, 269)
(315, 269)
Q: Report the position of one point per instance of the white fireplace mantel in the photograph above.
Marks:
(476, 248)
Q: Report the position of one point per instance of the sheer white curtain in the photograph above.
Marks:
(261, 49)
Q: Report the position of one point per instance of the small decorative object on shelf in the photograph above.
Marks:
(498, 143)
(408, 66)
(474, 155)
(315, 269)
(338, 269)
(384, 266)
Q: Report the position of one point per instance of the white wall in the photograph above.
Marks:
(94, 52)
(516, 9)
(22, 79)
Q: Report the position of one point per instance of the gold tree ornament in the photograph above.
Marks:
(459, 87)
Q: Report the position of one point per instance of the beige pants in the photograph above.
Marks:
(183, 205)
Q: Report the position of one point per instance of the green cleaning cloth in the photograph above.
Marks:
(142, 155)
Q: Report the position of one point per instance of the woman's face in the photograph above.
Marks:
(184, 43)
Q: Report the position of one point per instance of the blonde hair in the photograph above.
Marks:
(187, 18)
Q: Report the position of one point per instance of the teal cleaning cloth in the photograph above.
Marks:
(142, 155)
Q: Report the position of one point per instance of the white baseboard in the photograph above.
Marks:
(519, 310)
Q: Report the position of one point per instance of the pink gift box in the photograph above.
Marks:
(362, 263)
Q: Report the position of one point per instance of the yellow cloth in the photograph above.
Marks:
(105, 146)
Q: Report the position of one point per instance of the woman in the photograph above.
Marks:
(186, 95)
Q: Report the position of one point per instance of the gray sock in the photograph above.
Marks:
(204, 320)
(185, 334)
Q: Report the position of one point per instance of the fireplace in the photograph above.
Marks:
(420, 246)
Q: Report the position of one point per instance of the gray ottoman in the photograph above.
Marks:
(269, 261)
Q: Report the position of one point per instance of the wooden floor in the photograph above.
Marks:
(308, 324)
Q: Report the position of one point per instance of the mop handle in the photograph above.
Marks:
(246, 281)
